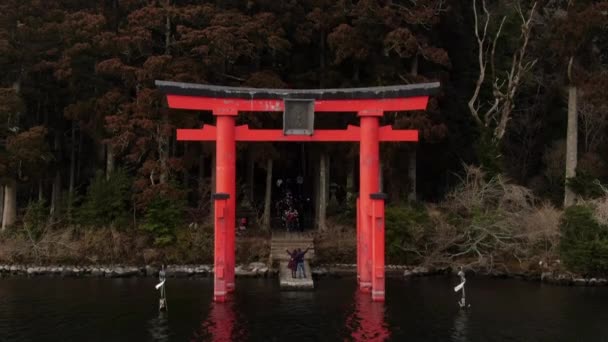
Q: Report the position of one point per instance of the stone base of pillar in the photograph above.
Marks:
(378, 296)
(219, 297)
(365, 287)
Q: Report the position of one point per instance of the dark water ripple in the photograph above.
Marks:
(53, 309)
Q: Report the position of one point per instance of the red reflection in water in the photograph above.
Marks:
(219, 325)
(367, 320)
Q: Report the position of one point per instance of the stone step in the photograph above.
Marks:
(283, 241)
(284, 256)
(284, 235)
(280, 252)
(291, 243)
(301, 241)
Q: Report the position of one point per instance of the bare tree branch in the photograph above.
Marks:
(500, 108)
(481, 61)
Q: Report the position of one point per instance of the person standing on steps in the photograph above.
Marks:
(292, 262)
(292, 219)
(300, 262)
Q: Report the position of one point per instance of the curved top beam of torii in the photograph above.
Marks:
(371, 101)
(373, 93)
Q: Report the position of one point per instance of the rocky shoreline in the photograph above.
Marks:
(121, 271)
(262, 270)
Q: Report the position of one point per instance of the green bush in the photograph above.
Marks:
(107, 201)
(405, 226)
(35, 219)
(191, 246)
(586, 186)
(584, 242)
(163, 216)
(489, 153)
(347, 213)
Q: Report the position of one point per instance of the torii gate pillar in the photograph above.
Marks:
(225, 154)
(368, 184)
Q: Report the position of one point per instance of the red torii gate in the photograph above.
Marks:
(370, 105)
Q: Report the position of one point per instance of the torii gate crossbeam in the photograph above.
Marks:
(369, 103)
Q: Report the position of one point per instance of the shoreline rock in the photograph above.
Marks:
(262, 270)
(254, 269)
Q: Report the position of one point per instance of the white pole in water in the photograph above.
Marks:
(460, 287)
(162, 303)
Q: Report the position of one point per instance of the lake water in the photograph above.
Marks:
(425, 309)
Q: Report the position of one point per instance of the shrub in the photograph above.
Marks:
(586, 186)
(163, 216)
(35, 220)
(489, 154)
(584, 241)
(192, 245)
(347, 213)
(336, 244)
(405, 228)
(538, 231)
(107, 201)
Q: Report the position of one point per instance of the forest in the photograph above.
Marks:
(510, 169)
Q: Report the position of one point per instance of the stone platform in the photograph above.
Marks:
(301, 284)
(282, 241)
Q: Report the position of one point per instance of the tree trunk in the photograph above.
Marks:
(9, 215)
(250, 175)
(40, 191)
(356, 73)
(55, 194)
(322, 59)
(350, 180)
(268, 195)
(395, 180)
(168, 30)
(411, 175)
(315, 185)
(201, 181)
(72, 169)
(1, 203)
(414, 66)
(327, 177)
(109, 161)
(56, 188)
(571, 145)
(79, 157)
(186, 171)
(72, 159)
(164, 142)
(411, 165)
(9, 211)
(322, 203)
(163, 152)
(303, 161)
(100, 155)
(201, 169)
(213, 172)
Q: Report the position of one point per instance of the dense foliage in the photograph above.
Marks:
(106, 203)
(163, 216)
(584, 241)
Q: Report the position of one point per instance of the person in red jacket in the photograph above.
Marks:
(292, 262)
